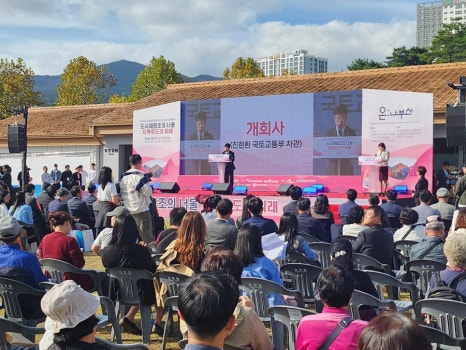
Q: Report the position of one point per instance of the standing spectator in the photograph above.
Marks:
(375, 241)
(446, 209)
(136, 193)
(460, 189)
(296, 192)
(107, 197)
(66, 177)
(56, 176)
(220, 232)
(46, 177)
(26, 177)
(6, 177)
(256, 207)
(77, 177)
(431, 247)
(344, 208)
(421, 184)
(91, 175)
(335, 286)
(443, 176)
(20, 210)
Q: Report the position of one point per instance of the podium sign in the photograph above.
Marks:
(221, 160)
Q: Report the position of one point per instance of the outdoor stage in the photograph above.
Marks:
(273, 202)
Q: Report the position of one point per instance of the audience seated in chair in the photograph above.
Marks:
(105, 236)
(343, 208)
(446, 209)
(306, 223)
(289, 229)
(390, 331)
(335, 286)
(354, 222)
(256, 207)
(431, 247)
(296, 192)
(411, 230)
(375, 241)
(392, 209)
(206, 303)
(71, 321)
(169, 235)
(249, 331)
(423, 209)
(321, 211)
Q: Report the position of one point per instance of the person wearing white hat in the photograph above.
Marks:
(70, 312)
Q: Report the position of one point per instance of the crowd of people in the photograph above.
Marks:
(215, 251)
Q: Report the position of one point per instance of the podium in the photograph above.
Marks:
(221, 160)
(370, 173)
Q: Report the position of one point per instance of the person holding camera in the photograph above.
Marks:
(136, 191)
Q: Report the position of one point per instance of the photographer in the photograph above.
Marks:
(460, 190)
(136, 193)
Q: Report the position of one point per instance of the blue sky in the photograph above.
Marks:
(201, 36)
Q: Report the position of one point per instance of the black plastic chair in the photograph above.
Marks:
(27, 334)
(360, 298)
(421, 271)
(449, 315)
(302, 277)
(442, 340)
(114, 346)
(365, 262)
(322, 249)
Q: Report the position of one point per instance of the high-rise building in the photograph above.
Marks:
(431, 16)
(299, 62)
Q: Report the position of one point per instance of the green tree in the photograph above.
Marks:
(16, 86)
(401, 56)
(364, 63)
(155, 77)
(287, 71)
(449, 45)
(243, 68)
(84, 83)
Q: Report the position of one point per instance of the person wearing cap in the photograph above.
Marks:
(136, 192)
(446, 209)
(200, 166)
(71, 318)
(105, 236)
(20, 265)
(431, 246)
(59, 203)
(27, 177)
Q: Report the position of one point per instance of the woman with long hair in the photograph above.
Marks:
(183, 255)
(5, 197)
(321, 211)
(59, 245)
(295, 243)
(20, 210)
(124, 251)
(107, 198)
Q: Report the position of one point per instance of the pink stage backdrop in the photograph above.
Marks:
(288, 139)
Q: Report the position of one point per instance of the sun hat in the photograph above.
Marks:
(67, 304)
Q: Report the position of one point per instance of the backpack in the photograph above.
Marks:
(447, 291)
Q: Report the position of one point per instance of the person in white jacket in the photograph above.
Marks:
(136, 191)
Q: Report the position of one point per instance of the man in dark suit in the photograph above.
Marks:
(296, 192)
(78, 209)
(219, 231)
(340, 115)
(375, 241)
(201, 166)
(443, 176)
(306, 223)
(230, 167)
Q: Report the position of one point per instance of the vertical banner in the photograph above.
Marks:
(403, 121)
(156, 137)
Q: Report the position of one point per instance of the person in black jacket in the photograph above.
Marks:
(230, 167)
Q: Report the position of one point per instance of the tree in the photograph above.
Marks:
(287, 72)
(449, 45)
(83, 83)
(364, 63)
(401, 56)
(155, 77)
(16, 87)
(243, 68)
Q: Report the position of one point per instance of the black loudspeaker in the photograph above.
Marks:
(456, 120)
(169, 187)
(16, 138)
(284, 189)
(220, 188)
